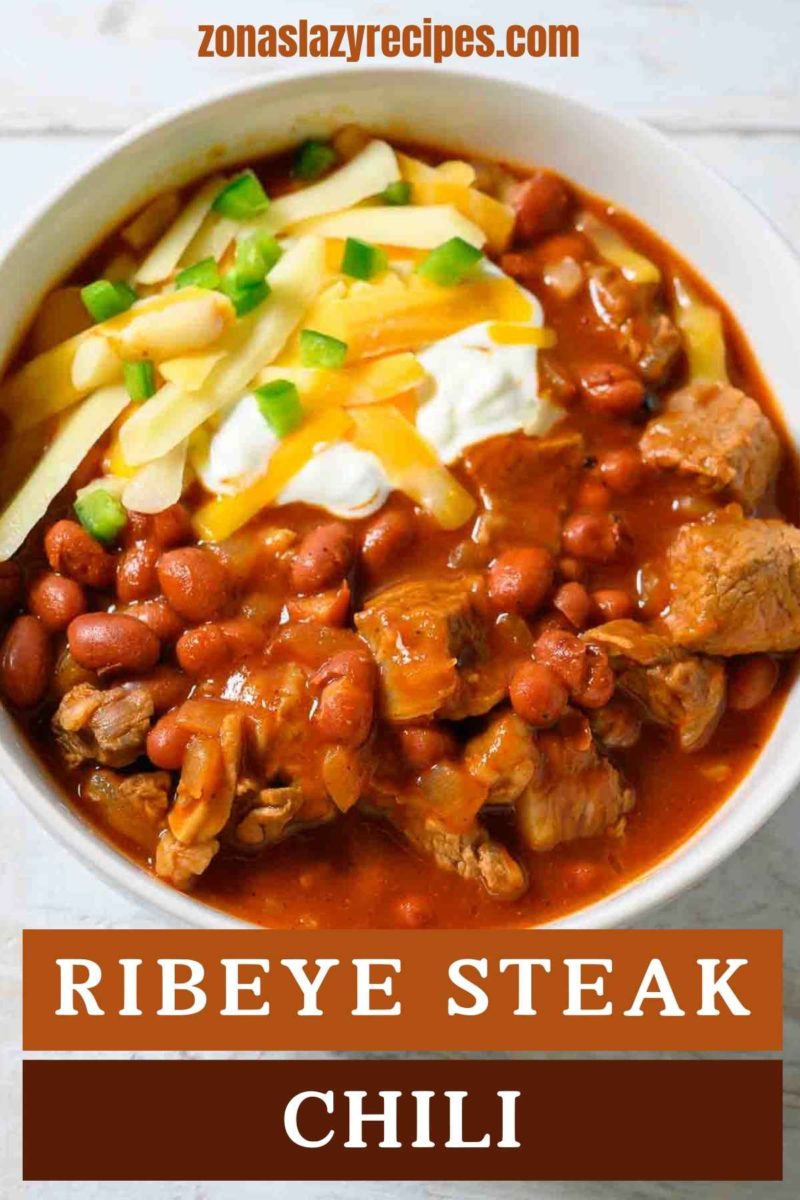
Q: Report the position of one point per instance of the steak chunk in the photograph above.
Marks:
(472, 854)
(430, 641)
(577, 793)
(717, 435)
(503, 757)
(683, 691)
(133, 805)
(108, 727)
(735, 587)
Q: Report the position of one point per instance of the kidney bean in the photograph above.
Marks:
(10, 586)
(157, 615)
(597, 537)
(138, 529)
(593, 495)
(172, 527)
(56, 600)
(425, 745)
(103, 641)
(194, 581)
(622, 470)
(326, 608)
(519, 580)
(541, 203)
(386, 536)
(613, 604)
(323, 558)
(25, 661)
(537, 694)
(611, 389)
(750, 681)
(167, 742)
(573, 600)
(136, 572)
(72, 551)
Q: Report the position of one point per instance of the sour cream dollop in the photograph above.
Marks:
(477, 389)
(346, 481)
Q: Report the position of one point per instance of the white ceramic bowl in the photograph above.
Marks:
(733, 246)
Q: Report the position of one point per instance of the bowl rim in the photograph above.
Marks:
(685, 863)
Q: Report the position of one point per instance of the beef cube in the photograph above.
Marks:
(683, 691)
(472, 854)
(735, 587)
(430, 641)
(133, 805)
(503, 757)
(718, 436)
(577, 793)
(108, 727)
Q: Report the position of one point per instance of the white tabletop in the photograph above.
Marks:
(719, 75)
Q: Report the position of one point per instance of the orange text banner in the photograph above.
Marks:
(411, 990)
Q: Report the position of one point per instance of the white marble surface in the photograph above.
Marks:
(722, 77)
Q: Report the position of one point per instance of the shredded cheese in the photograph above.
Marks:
(251, 344)
(224, 515)
(162, 260)
(67, 450)
(411, 464)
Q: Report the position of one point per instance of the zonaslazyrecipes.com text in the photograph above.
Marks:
(352, 43)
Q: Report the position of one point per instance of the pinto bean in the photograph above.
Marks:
(167, 742)
(346, 703)
(593, 495)
(194, 581)
(520, 579)
(323, 558)
(72, 551)
(25, 660)
(344, 712)
(622, 470)
(611, 389)
(203, 650)
(584, 670)
(573, 600)
(613, 604)
(537, 694)
(10, 586)
(103, 641)
(599, 686)
(596, 536)
(56, 600)
(326, 608)
(386, 536)
(166, 686)
(425, 745)
(136, 572)
(541, 204)
(157, 615)
(750, 681)
(210, 646)
(172, 527)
